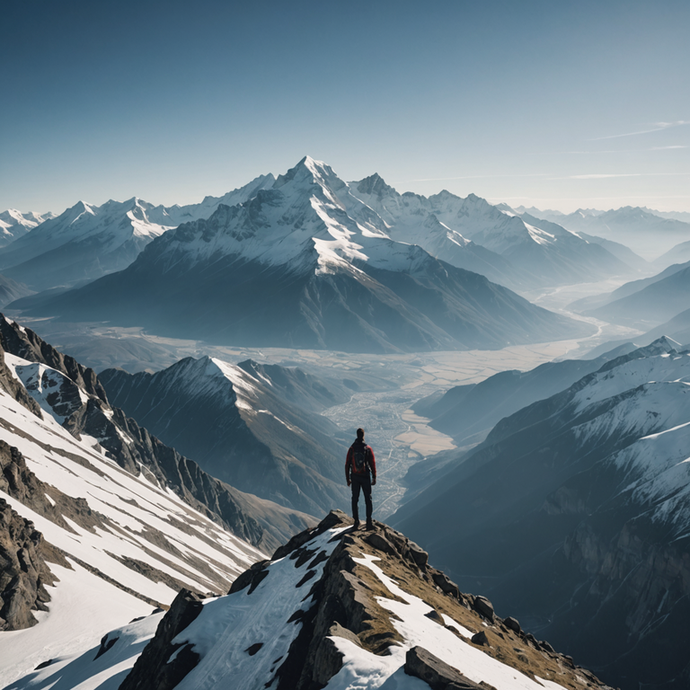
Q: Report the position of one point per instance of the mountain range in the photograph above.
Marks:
(517, 251)
(575, 512)
(14, 224)
(86, 242)
(307, 264)
(648, 233)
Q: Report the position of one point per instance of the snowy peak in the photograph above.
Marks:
(374, 185)
(14, 224)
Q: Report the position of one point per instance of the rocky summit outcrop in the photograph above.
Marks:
(337, 601)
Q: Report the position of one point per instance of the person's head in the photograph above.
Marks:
(360, 434)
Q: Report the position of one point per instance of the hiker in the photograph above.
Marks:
(360, 462)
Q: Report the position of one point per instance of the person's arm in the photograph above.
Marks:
(348, 463)
(372, 462)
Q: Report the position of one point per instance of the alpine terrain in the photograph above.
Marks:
(307, 264)
(332, 609)
(100, 520)
(575, 512)
(254, 426)
(86, 242)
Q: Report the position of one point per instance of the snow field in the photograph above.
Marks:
(83, 608)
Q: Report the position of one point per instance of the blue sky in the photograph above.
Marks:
(556, 104)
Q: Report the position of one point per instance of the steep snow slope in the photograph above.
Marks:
(333, 609)
(127, 543)
(124, 521)
(297, 266)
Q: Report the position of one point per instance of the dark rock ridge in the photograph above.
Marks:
(259, 522)
(345, 605)
(154, 669)
(255, 428)
(23, 571)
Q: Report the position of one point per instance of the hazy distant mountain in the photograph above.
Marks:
(660, 299)
(620, 251)
(11, 290)
(587, 304)
(293, 267)
(516, 251)
(466, 411)
(678, 254)
(251, 425)
(86, 242)
(575, 512)
(14, 224)
(683, 216)
(645, 233)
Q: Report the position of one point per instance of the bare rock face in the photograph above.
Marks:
(162, 664)
(421, 663)
(23, 571)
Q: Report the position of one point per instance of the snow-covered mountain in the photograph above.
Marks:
(471, 233)
(100, 520)
(575, 511)
(81, 244)
(15, 224)
(332, 609)
(253, 426)
(411, 218)
(300, 265)
(86, 242)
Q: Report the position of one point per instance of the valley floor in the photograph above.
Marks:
(394, 382)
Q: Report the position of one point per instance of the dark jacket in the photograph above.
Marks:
(350, 468)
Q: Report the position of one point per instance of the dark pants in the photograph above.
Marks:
(363, 482)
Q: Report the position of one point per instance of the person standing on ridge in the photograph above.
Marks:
(358, 465)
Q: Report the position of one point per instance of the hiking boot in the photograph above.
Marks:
(370, 525)
(356, 525)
